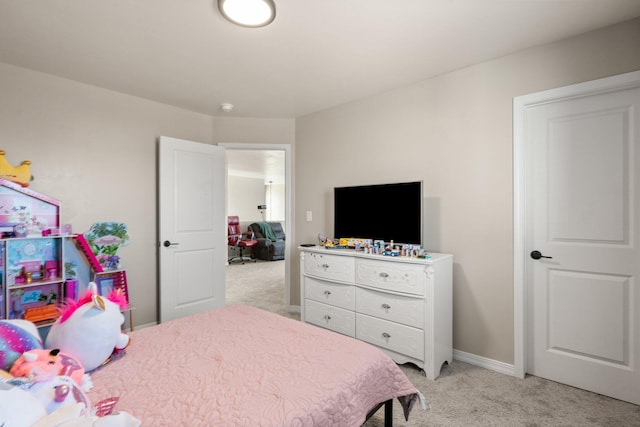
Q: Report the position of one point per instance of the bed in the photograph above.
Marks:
(242, 366)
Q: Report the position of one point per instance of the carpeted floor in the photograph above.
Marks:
(464, 395)
(260, 284)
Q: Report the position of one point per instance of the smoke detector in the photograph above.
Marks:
(226, 107)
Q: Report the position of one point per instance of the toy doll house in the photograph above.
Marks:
(41, 265)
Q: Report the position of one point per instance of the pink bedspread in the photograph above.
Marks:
(241, 366)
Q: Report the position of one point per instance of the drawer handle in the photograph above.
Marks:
(384, 275)
(386, 307)
(327, 293)
(386, 336)
(325, 266)
(327, 318)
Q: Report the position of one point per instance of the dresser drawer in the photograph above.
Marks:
(396, 308)
(330, 317)
(393, 336)
(393, 276)
(335, 294)
(333, 267)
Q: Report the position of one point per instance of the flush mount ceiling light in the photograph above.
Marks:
(248, 13)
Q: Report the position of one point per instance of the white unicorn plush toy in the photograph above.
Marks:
(90, 329)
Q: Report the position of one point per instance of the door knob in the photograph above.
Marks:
(538, 255)
(167, 243)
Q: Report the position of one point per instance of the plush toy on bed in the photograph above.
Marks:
(43, 364)
(16, 337)
(55, 402)
(89, 329)
(18, 407)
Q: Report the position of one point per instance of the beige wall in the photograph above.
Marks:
(95, 150)
(253, 131)
(454, 132)
(243, 197)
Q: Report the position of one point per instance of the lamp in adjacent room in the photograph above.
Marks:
(262, 209)
(248, 13)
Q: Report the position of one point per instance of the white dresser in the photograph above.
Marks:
(402, 305)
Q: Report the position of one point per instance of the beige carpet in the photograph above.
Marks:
(464, 395)
(260, 284)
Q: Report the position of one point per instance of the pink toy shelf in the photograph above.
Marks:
(106, 280)
(113, 281)
(22, 206)
(35, 251)
(37, 304)
(83, 246)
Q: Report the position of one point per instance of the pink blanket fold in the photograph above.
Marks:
(242, 366)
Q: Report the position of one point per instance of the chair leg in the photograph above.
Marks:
(235, 257)
(247, 258)
(240, 257)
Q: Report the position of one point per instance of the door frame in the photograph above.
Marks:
(287, 208)
(521, 221)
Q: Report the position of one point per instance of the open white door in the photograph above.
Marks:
(192, 231)
(581, 259)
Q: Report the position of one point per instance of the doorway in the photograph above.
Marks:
(576, 228)
(270, 166)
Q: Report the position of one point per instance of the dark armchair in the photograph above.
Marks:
(271, 240)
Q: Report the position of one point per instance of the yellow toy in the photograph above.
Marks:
(18, 174)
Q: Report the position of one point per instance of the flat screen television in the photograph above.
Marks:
(379, 212)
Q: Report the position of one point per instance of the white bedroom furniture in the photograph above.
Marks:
(402, 305)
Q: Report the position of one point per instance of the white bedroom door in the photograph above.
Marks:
(583, 193)
(192, 244)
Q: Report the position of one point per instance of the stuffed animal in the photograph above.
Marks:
(57, 391)
(18, 408)
(48, 364)
(89, 329)
(26, 404)
(16, 337)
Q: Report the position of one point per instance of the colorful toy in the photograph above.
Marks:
(16, 337)
(18, 408)
(55, 402)
(105, 240)
(58, 391)
(48, 364)
(18, 174)
(89, 329)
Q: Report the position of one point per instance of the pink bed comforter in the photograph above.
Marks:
(241, 366)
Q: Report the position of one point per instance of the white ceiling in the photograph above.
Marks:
(315, 55)
(268, 165)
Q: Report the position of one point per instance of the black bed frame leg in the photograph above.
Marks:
(388, 413)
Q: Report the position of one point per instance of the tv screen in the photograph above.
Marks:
(380, 212)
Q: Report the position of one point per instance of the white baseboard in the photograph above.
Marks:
(294, 308)
(483, 362)
(146, 325)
